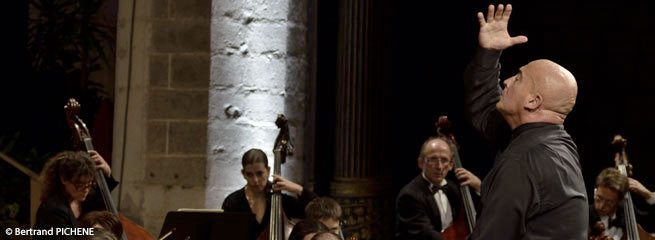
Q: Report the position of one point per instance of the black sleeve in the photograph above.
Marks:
(111, 182)
(295, 208)
(481, 81)
(414, 219)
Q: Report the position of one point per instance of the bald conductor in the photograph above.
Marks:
(535, 189)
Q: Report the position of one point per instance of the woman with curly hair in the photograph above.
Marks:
(70, 189)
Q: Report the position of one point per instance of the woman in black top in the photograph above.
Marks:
(69, 189)
(255, 197)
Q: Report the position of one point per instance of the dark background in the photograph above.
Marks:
(610, 49)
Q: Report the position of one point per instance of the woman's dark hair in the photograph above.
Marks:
(305, 227)
(252, 156)
(105, 219)
(67, 165)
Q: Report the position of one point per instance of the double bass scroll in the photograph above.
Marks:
(633, 231)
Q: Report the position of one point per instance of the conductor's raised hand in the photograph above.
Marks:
(281, 183)
(493, 29)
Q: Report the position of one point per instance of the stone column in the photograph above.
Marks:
(259, 69)
(360, 183)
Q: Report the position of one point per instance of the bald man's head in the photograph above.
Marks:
(542, 91)
(556, 85)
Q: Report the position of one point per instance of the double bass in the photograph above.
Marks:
(464, 224)
(281, 149)
(632, 230)
(82, 138)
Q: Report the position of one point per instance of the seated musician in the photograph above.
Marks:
(99, 234)
(102, 219)
(256, 195)
(306, 229)
(326, 236)
(69, 189)
(327, 211)
(429, 203)
(609, 192)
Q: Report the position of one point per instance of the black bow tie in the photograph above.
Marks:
(435, 189)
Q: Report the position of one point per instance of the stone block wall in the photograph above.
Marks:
(176, 113)
(165, 130)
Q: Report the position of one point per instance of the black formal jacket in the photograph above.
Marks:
(417, 213)
(55, 212)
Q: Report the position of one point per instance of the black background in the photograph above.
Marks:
(610, 49)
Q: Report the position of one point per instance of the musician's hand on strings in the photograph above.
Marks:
(100, 163)
(466, 177)
(493, 29)
(281, 183)
(636, 187)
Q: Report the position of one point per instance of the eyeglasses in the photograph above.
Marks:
(81, 186)
(600, 199)
(433, 161)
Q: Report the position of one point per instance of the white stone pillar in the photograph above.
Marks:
(259, 69)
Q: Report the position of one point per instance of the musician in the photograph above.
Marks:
(306, 229)
(535, 189)
(327, 211)
(102, 219)
(99, 234)
(429, 203)
(609, 192)
(326, 236)
(69, 189)
(256, 195)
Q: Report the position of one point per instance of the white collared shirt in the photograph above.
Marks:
(443, 204)
(613, 232)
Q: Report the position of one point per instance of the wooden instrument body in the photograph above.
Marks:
(83, 138)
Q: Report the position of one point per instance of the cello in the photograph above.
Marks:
(463, 225)
(633, 231)
(281, 149)
(82, 138)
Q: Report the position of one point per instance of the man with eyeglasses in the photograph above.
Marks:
(428, 204)
(609, 192)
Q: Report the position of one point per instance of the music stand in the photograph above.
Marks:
(207, 224)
